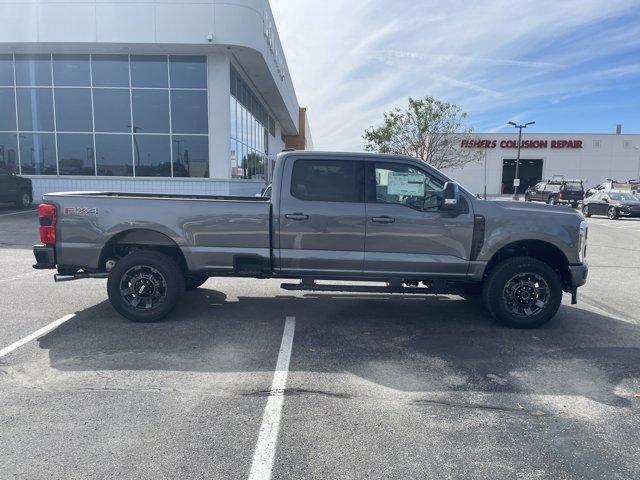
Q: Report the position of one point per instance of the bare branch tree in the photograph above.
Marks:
(428, 129)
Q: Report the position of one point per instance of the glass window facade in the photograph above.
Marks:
(104, 115)
(249, 129)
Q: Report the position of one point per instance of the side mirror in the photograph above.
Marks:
(450, 198)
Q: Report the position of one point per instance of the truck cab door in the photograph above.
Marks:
(407, 232)
(321, 218)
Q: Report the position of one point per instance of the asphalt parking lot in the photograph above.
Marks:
(378, 386)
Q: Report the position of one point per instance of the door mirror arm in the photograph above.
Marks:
(450, 198)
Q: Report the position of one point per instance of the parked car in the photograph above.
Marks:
(612, 204)
(15, 189)
(556, 192)
(366, 217)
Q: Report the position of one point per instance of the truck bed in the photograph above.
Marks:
(212, 231)
(176, 196)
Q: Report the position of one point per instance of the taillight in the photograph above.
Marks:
(48, 219)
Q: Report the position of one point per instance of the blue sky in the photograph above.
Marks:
(572, 66)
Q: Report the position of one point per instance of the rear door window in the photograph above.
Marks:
(573, 187)
(327, 180)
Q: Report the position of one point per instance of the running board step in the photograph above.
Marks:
(437, 287)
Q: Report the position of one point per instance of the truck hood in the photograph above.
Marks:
(525, 207)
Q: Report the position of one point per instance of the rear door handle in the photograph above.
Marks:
(297, 216)
(383, 219)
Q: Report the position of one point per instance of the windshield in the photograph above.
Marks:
(623, 197)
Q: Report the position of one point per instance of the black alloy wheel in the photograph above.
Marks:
(525, 294)
(145, 286)
(522, 292)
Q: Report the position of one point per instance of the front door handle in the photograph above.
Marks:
(383, 219)
(297, 216)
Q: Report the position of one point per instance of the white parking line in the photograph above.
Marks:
(17, 213)
(268, 437)
(36, 334)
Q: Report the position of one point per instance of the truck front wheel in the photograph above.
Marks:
(522, 292)
(145, 286)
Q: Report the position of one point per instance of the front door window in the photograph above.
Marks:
(406, 185)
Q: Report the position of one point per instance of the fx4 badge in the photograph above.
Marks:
(80, 211)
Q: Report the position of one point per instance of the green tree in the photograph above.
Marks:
(253, 164)
(427, 129)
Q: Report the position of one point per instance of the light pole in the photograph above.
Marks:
(485, 173)
(519, 127)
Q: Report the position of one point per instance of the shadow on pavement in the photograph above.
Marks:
(426, 344)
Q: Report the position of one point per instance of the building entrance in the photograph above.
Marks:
(530, 172)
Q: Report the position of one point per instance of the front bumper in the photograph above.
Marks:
(579, 274)
(629, 213)
(45, 257)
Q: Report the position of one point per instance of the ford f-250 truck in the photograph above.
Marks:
(385, 223)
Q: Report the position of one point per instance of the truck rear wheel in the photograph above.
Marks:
(522, 292)
(145, 286)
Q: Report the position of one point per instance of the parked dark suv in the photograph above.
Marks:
(15, 189)
(556, 192)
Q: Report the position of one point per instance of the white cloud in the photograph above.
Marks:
(351, 60)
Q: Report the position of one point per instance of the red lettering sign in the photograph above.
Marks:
(533, 144)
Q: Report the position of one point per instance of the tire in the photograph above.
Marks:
(527, 198)
(585, 211)
(23, 200)
(574, 205)
(551, 200)
(511, 296)
(612, 213)
(154, 271)
(192, 281)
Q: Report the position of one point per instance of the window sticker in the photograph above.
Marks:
(409, 184)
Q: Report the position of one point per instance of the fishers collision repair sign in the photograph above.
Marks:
(557, 144)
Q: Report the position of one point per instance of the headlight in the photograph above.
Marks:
(583, 240)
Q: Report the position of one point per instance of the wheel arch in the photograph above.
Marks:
(127, 241)
(539, 249)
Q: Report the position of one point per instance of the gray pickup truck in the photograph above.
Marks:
(384, 223)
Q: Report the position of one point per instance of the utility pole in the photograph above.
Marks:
(516, 180)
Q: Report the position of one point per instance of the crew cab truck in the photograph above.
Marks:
(384, 223)
(554, 192)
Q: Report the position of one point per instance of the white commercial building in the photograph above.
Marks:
(151, 96)
(590, 157)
